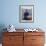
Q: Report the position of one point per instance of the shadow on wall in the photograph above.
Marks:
(2, 26)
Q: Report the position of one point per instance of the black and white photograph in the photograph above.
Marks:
(26, 13)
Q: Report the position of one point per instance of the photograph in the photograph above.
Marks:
(26, 13)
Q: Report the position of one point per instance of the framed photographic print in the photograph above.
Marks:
(26, 13)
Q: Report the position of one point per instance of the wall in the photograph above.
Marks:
(9, 13)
